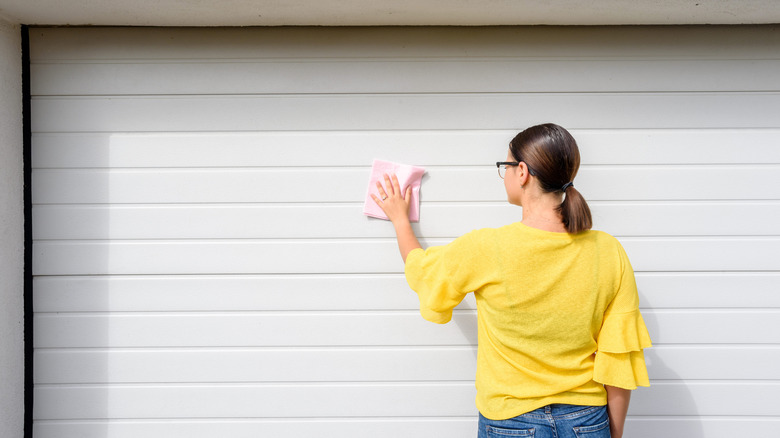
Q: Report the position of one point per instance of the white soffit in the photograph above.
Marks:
(387, 12)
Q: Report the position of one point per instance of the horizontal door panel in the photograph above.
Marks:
(709, 289)
(424, 148)
(435, 75)
(383, 427)
(404, 111)
(253, 401)
(240, 329)
(359, 364)
(453, 427)
(359, 256)
(139, 293)
(344, 220)
(707, 399)
(362, 400)
(244, 329)
(468, 183)
(225, 292)
(724, 426)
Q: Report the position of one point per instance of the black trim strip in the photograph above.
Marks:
(28, 236)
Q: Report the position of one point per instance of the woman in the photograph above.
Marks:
(560, 336)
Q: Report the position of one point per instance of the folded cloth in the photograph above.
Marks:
(407, 176)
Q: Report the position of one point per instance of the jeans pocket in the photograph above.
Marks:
(600, 430)
(493, 431)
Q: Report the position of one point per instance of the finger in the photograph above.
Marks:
(381, 190)
(396, 185)
(390, 188)
(377, 201)
(408, 195)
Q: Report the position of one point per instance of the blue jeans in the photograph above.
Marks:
(553, 421)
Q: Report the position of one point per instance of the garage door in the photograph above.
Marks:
(202, 267)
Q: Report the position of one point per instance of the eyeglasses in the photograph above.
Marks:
(502, 165)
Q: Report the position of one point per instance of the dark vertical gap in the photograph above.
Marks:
(28, 236)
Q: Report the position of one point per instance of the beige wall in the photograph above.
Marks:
(383, 13)
(11, 234)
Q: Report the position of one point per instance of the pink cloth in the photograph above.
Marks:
(407, 176)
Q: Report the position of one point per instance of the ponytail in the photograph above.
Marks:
(575, 211)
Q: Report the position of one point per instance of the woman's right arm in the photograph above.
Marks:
(617, 408)
(396, 206)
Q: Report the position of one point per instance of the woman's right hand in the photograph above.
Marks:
(394, 201)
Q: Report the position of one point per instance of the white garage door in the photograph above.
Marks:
(202, 267)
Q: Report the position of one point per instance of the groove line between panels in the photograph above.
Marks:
(337, 419)
(390, 311)
(438, 348)
(329, 419)
(205, 96)
(347, 384)
(351, 273)
(430, 58)
(356, 384)
(266, 349)
(275, 313)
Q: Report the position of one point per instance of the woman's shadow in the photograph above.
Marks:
(667, 408)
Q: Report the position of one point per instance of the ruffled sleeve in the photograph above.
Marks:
(443, 275)
(620, 359)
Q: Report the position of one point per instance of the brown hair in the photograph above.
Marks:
(552, 156)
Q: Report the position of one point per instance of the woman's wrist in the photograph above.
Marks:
(407, 240)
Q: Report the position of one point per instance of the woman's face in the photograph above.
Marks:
(512, 182)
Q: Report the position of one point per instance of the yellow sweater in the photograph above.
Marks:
(558, 314)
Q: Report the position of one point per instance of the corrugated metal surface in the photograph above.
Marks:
(203, 267)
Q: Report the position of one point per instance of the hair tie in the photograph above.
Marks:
(566, 186)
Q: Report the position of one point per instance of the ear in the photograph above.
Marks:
(522, 173)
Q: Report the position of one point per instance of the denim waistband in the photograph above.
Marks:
(561, 411)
